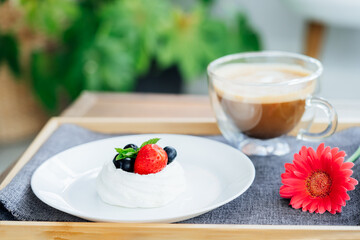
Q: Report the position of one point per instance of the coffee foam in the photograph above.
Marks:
(234, 77)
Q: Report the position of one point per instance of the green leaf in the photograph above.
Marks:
(50, 16)
(195, 38)
(248, 40)
(207, 2)
(191, 41)
(44, 80)
(77, 42)
(124, 153)
(9, 53)
(109, 66)
(151, 141)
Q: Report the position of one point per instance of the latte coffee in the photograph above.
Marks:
(257, 100)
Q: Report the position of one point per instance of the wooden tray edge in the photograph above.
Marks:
(66, 230)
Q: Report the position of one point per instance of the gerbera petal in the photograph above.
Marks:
(333, 211)
(327, 150)
(347, 165)
(286, 175)
(326, 160)
(338, 209)
(337, 163)
(321, 208)
(284, 195)
(320, 149)
(296, 205)
(345, 174)
(339, 160)
(292, 181)
(313, 206)
(347, 197)
(334, 151)
(312, 153)
(353, 181)
(337, 191)
(289, 166)
(349, 186)
(327, 204)
(286, 192)
(339, 154)
(338, 179)
(338, 200)
(307, 201)
(298, 199)
(301, 165)
(303, 153)
(300, 175)
(306, 204)
(309, 161)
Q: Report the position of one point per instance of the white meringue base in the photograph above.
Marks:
(132, 190)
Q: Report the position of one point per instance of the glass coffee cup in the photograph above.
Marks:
(259, 96)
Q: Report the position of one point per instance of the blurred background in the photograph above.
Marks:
(52, 50)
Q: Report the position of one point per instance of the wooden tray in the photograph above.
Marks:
(65, 230)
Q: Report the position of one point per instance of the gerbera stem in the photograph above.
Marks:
(355, 156)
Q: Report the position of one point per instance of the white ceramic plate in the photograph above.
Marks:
(215, 172)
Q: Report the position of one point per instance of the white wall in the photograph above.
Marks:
(282, 29)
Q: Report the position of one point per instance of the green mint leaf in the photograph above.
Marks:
(119, 150)
(130, 153)
(124, 153)
(151, 141)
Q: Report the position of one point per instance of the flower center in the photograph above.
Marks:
(319, 184)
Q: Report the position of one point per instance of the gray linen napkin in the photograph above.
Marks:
(261, 204)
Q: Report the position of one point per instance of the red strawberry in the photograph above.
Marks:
(150, 159)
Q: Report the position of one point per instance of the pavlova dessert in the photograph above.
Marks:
(145, 177)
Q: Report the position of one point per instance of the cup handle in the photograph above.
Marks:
(332, 120)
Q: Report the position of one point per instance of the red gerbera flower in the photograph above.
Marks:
(318, 181)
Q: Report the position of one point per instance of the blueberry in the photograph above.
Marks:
(171, 152)
(131, 145)
(128, 164)
(117, 163)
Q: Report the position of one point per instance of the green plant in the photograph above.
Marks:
(9, 53)
(107, 45)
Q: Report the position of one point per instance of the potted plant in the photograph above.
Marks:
(123, 45)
